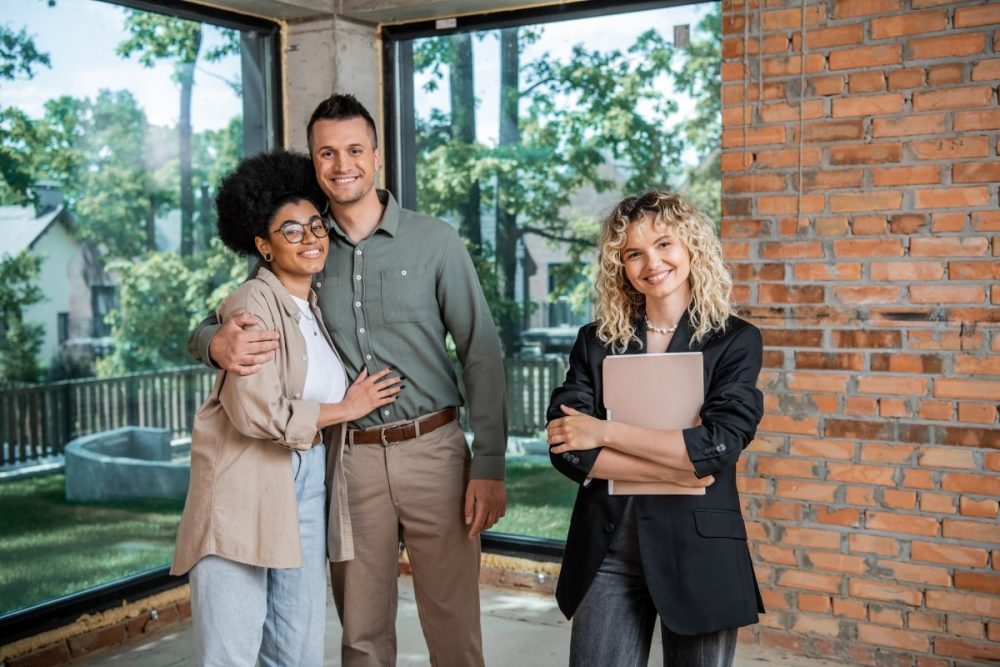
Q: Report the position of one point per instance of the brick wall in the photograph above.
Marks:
(860, 217)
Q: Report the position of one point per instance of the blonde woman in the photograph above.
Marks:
(662, 286)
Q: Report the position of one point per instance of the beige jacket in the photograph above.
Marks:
(241, 500)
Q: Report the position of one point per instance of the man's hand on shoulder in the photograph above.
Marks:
(485, 504)
(240, 346)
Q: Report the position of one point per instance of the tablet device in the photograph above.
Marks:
(661, 391)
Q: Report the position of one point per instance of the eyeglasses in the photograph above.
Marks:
(295, 232)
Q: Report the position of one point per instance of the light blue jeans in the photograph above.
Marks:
(242, 613)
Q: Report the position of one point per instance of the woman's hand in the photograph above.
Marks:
(575, 431)
(367, 393)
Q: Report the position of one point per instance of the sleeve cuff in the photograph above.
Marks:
(488, 467)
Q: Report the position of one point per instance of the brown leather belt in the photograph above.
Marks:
(388, 435)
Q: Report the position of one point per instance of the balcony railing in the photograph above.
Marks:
(37, 421)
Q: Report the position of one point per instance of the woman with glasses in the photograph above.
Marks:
(662, 286)
(253, 534)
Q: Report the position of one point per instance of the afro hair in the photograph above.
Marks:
(250, 196)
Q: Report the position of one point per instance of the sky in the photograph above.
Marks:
(84, 61)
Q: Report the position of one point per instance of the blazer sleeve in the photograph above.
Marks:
(733, 406)
(256, 404)
(578, 391)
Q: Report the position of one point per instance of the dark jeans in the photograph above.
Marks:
(613, 626)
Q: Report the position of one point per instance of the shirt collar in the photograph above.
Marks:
(390, 216)
(284, 298)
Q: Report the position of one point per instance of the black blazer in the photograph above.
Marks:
(693, 548)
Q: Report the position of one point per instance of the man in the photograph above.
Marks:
(395, 284)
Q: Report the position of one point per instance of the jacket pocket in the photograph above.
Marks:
(720, 523)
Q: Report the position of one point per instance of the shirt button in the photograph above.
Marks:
(362, 330)
(385, 412)
(707, 450)
(404, 272)
(575, 460)
(368, 356)
(358, 252)
(357, 277)
(319, 284)
(357, 304)
(609, 527)
(298, 395)
(721, 447)
(304, 357)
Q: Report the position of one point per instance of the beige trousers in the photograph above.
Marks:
(414, 491)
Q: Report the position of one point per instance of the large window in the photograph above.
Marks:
(116, 124)
(523, 129)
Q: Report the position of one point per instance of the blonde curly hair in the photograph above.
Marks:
(619, 304)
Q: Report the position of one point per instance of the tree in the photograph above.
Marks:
(18, 54)
(21, 341)
(155, 37)
(19, 57)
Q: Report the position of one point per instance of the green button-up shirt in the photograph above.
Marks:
(390, 300)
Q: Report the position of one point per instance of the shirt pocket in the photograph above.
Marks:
(405, 295)
(720, 523)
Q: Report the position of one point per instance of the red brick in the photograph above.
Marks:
(986, 221)
(897, 523)
(883, 271)
(829, 361)
(944, 222)
(827, 85)
(831, 130)
(810, 581)
(908, 23)
(889, 384)
(56, 654)
(949, 46)
(835, 562)
(785, 467)
(952, 98)
(774, 134)
(843, 202)
(936, 410)
(919, 620)
(971, 437)
(966, 627)
(774, 599)
(772, 158)
(791, 250)
(871, 105)
(967, 364)
(810, 272)
(938, 75)
(985, 509)
(885, 591)
(786, 204)
(962, 388)
(774, 293)
(981, 485)
(860, 495)
(951, 148)
(894, 499)
(754, 183)
(819, 604)
(971, 531)
(821, 448)
(986, 70)
(965, 603)
(869, 224)
(799, 490)
(851, 8)
(979, 413)
(975, 172)
(860, 406)
(912, 77)
(816, 625)
(986, 119)
(868, 154)
(989, 270)
(947, 294)
(97, 639)
(810, 537)
(864, 57)
(885, 546)
(787, 19)
(866, 294)
(788, 424)
(860, 474)
(968, 17)
(862, 82)
(979, 652)
(947, 457)
(831, 178)
(948, 247)
(849, 608)
(842, 517)
(867, 338)
(792, 337)
(889, 616)
(951, 197)
(783, 66)
(916, 573)
(901, 639)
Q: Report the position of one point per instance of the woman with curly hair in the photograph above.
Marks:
(253, 534)
(662, 286)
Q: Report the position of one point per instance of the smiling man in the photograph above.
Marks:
(396, 283)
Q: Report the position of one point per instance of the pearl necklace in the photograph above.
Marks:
(664, 331)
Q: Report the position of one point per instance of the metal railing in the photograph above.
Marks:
(36, 421)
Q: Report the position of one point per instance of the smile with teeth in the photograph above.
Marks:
(311, 254)
(658, 277)
(344, 180)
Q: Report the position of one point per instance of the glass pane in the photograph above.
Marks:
(113, 137)
(524, 138)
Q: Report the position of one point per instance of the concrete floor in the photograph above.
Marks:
(520, 630)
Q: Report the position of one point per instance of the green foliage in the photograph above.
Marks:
(20, 341)
(161, 298)
(18, 54)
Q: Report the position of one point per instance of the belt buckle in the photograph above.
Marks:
(381, 436)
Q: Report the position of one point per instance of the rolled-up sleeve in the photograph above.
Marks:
(579, 392)
(732, 409)
(255, 404)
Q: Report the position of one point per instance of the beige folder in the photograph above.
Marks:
(661, 391)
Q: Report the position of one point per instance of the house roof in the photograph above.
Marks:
(20, 227)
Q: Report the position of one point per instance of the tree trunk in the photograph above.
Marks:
(506, 214)
(463, 129)
(185, 73)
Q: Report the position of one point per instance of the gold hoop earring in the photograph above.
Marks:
(267, 257)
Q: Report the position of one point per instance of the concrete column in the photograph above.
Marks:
(325, 56)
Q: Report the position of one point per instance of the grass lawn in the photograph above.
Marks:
(50, 547)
